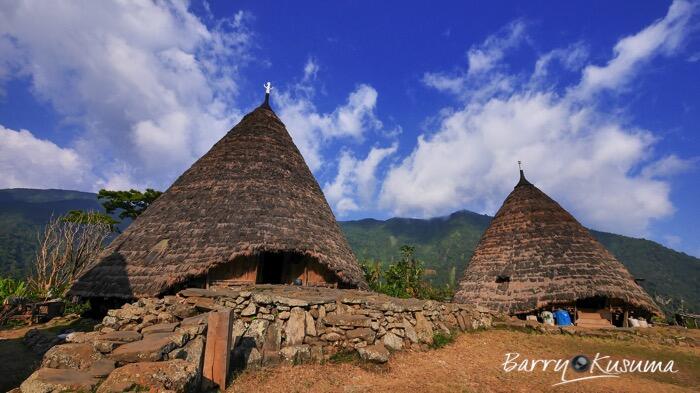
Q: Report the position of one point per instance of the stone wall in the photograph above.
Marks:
(163, 340)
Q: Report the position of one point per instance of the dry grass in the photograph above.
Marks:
(473, 364)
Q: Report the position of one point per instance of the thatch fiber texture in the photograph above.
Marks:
(535, 254)
(252, 192)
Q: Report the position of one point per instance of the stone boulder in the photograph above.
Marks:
(295, 327)
(374, 353)
(152, 348)
(73, 356)
(52, 380)
(177, 376)
(160, 328)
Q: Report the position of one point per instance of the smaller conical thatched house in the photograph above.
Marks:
(248, 211)
(535, 256)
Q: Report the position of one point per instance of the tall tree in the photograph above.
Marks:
(129, 203)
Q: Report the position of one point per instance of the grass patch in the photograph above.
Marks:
(344, 357)
(441, 339)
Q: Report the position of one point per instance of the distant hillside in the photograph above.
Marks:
(446, 244)
(23, 213)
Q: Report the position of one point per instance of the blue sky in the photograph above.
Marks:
(398, 108)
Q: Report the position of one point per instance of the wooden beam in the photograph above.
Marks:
(217, 351)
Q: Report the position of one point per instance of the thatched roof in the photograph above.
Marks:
(251, 192)
(540, 255)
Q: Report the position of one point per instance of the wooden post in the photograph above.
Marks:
(217, 352)
(625, 321)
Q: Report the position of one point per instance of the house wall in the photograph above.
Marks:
(246, 270)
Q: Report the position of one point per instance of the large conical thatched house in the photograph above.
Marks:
(248, 211)
(536, 256)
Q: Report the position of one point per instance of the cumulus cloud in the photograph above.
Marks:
(29, 162)
(484, 65)
(662, 37)
(150, 85)
(669, 166)
(574, 150)
(311, 130)
(356, 182)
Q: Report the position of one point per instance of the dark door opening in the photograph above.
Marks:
(592, 303)
(270, 268)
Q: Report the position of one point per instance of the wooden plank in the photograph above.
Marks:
(217, 351)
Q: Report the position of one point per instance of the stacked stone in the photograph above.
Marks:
(284, 323)
(159, 343)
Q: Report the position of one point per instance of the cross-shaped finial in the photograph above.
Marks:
(519, 165)
(268, 87)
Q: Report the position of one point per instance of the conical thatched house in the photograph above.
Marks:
(535, 256)
(248, 211)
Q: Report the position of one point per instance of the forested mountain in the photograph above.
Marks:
(445, 244)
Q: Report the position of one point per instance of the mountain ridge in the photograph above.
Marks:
(444, 243)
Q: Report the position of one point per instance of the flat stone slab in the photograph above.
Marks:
(152, 348)
(374, 353)
(160, 328)
(124, 336)
(73, 356)
(50, 380)
(177, 376)
(348, 320)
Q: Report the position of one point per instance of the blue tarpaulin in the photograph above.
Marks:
(562, 317)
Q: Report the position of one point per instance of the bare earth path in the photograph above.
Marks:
(473, 364)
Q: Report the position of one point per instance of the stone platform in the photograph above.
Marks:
(145, 342)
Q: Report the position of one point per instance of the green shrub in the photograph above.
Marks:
(343, 357)
(77, 308)
(404, 278)
(13, 288)
(441, 339)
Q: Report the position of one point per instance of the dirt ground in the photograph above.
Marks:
(473, 363)
(17, 361)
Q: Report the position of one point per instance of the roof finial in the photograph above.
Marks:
(523, 180)
(268, 89)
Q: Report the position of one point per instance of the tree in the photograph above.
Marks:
(403, 278)
(129, 203)
(90, 217)
(66, 249)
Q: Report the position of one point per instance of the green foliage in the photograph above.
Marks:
(129, 203)
(12, 288)
(343, 357)
(441, 339)
(404, 278)
(90, 217)
(77, 308)
(447, 243)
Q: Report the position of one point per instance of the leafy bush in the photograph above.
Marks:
(404, 278)
(12, 288)
(77, 308)
(441, 339)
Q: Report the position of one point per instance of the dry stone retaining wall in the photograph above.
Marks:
(159, 343)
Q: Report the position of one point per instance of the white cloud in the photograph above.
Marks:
(29, 162)
(485, 57)
(311, 129)
(485, 66)
(575, 151)
(356, 182)
(662, 37)
(310, 69)
(668, 166)
(672, 241)
(571, 58)
(151, 86)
